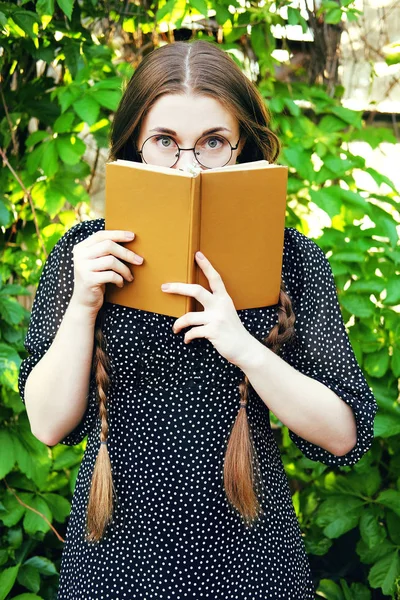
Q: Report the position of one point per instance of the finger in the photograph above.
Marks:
(103, 277)
(214, 278)
(192, 318)
(117, 235)
(189, 289)
(109, 262)
(110, 247)
(196, 332)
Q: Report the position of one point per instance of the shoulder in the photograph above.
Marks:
(304, 263)
(301, 253)
(77, 233)
(296, 244)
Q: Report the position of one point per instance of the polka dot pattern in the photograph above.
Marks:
(171, 408)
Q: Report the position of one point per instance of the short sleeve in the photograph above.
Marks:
(51, 300)
(322, 349)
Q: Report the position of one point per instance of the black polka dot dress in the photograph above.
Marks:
(171, 408)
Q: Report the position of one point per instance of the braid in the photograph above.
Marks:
(241, 472)
(241, 478)
(101, 501)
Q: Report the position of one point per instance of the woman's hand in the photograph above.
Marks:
(96, 263)
(219, 322)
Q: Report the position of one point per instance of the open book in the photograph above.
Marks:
(235, 215)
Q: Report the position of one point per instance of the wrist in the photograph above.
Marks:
(82, 315)
(251, 355)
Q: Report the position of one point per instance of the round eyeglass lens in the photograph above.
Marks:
(211, 151)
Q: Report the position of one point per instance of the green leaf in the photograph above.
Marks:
(372, 555)
(87, 109)
(333, 16)
(9, 365)
(391, 499)
(108, 98)
(348, 116)
(357, 305)
(386, 425)
(377, 363)
(200, 6)
(13, 510)
(26, 20)
(7, 457)
(395, 362)
(7, 580)
(371, 531)
(70, 149)
(384, 573)
(29, 578)
(338, 514)
(27, 597)
(59, 506)
(393, 292)
(11, 310)
(66, 6)
(63, 123)
(330, 590)
(45, 8)
(49, 159)
(35, 137)
(165, 10)
(42, 564)
(34, 522)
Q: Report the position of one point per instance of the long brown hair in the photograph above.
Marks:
(200, 68)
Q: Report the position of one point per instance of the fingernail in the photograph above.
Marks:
(200, 254)
(164, 286)
(129, 235)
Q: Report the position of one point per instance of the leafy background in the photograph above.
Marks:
(63, 68)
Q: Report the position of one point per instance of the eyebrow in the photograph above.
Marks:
(172, 132)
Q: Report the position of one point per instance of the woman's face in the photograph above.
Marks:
(189, 117)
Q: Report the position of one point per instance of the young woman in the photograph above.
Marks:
(182, 492)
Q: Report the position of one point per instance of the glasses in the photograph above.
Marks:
(210, 151)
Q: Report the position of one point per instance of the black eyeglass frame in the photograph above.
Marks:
(193, 149)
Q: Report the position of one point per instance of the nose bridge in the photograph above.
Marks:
(186, 157)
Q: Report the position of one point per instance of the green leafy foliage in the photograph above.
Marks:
(62, 75)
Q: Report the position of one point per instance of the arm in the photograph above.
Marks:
(306, 406)
(62, 374)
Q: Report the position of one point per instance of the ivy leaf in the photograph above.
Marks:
(66, 6)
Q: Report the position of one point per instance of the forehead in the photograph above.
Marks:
(184, 113)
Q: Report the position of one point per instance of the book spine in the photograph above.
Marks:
(194, 237)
